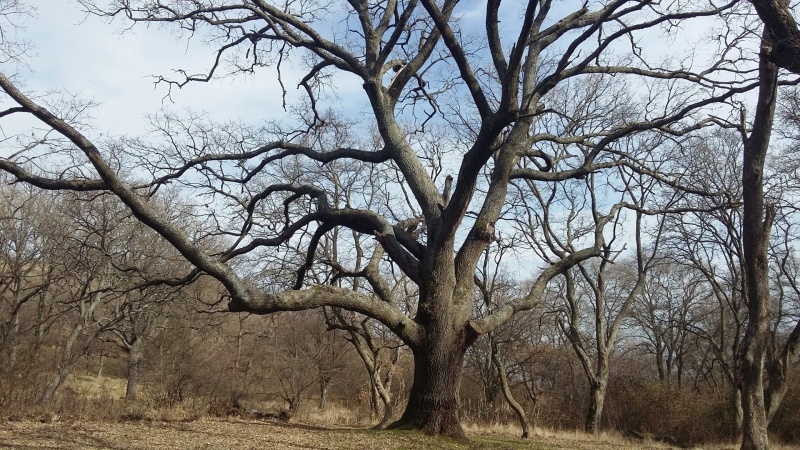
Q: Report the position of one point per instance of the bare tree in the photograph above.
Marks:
(418, 69)
(138, 319)
(707, 238)
(298, 360)
(83, 246)
(671, 303)
(380, 353)
(495, 289)
(597, 296)
(783, 348)
(137, 315)
(13, 46)
(757, 220)
(25, 273)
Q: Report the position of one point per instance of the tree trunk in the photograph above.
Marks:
(777, 379)
(754, 429)
(373, 402)
(597, 398)
(509, 396)
(388, 412)
(662, 373)
(101, 364)
(41, 320)
(102, 360)
(433, 401)
(135, 356)
(756, 223)
(12, 343)
(52, 387)
(738, 413)
(323, 393)
(65, 364)
(382, 390)
(294, 405)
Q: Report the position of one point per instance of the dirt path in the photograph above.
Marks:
(241, 435)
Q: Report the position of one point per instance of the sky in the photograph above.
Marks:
(99, 60)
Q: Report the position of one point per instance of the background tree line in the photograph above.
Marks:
(79, 308)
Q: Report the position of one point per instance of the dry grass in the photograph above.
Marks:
(239, 434)
(545, 434)
(93, 387)
(333, 415)
(90, 414)
(606, 438)
(181, 429)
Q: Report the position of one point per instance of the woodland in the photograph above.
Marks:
(557, 214)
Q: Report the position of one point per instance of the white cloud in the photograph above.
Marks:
(89, 56)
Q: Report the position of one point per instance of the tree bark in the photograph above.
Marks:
(65, 364)
(12, 343)
(323, 393)
(756, 223)
(778, 17)
(594, 413)
(383, 389)
(738, 416)
(388, 409)
(135, 357)
(53, 386)
(777, 377)
(433, 400)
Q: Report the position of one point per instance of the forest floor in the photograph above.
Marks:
(207, 433)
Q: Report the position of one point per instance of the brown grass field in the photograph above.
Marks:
(91, 402)
(213, 433)
(241, 435)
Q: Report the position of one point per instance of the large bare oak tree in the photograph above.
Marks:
(495, 90)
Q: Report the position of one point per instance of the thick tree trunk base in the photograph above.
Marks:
(434, 422)
(433, 401)
(594, 414)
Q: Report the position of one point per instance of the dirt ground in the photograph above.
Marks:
(241, 435)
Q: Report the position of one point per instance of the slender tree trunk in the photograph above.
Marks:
(433, 400)
(738, 414)
(135, 357)
(102, 363)
(52, 387)
(64, 366)
(12, 343)
(41, 320)
(323, 393)
(388, 409)
(379, 388)
(777, 377)
(373, 401)
(662, 373)
(383, 390)
(509, 396)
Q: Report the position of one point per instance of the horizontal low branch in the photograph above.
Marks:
(319, 296)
